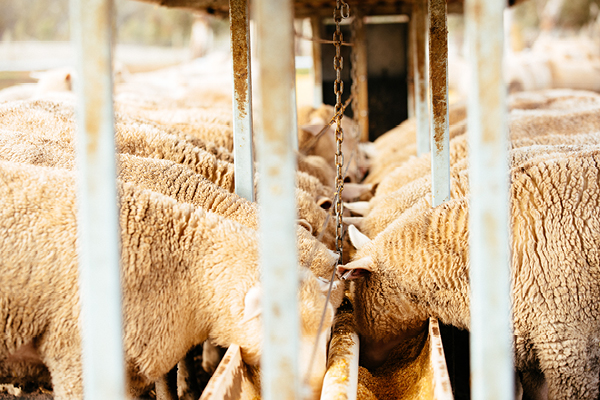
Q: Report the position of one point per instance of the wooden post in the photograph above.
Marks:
(360, 44)
(421, 80)
(315, 23)
(412, 62)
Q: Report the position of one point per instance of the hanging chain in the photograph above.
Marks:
(342, 10)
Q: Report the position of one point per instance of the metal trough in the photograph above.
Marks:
(422, 374)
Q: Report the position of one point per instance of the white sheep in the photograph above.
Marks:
(419, 267)
(315, 137)
(187, 276)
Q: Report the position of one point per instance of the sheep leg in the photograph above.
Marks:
(187, 385)
(534, 385)
(570, 367)
(165, 389)
(67, 382)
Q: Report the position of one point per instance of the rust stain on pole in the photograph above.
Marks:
(421, 27)
(438, 63)
(239, 50)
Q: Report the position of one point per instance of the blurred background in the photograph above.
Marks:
(549, 44)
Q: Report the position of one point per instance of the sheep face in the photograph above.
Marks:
(312, 296)
(383, 307)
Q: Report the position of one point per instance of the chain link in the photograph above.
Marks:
(342, 10)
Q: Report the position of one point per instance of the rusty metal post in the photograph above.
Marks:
(315, 23)
(438, 97)
(243, 150)
(360, 43)
(491, 324)
(277, 205)
(98, 228)
(412, 62)
(420, 74)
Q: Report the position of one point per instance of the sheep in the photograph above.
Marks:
(187, 276)
(395, 156)
(318, 167)
(220, 152)
(418, 268)
(53, 124)
(315, 137)
(418, 167)
(49, 82)
(179, 182)
(391, 206)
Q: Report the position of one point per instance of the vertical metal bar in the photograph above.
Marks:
(243, 150)
(438, 97)
(277, 215)
(99, 272)
(491, 323)
(362, 75)
(412, 63)
(315, 23)
(421, 81)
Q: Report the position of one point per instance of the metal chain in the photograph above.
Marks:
(342, 10)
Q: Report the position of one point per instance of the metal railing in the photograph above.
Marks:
(98, 228)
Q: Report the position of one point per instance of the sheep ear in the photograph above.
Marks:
(356, 269)
(306, 225)
(324, 202)
(369, 149)
(358, 207)
(252, 304)
(354, 190)
(356, 221)
(313, 129)
(358, 239)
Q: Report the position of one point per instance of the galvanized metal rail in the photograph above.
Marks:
(277, 206)
(489, 210)
(243, 148)
(98, 229)
(438, 100)
(421, 89)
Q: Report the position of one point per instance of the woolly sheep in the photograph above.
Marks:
(391, 206)
(312, 121)
(49, 82)
(318, 167)
(418, 268)
(396, 155)
(40, 125)
(200, 288)
(179, 182)
(418, 167)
